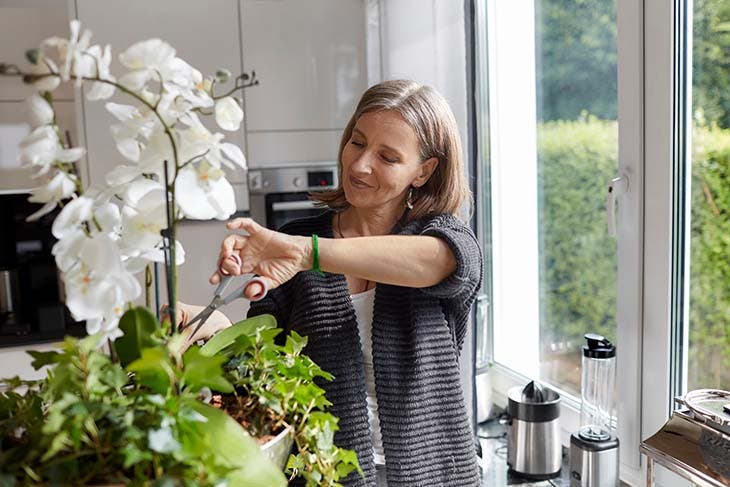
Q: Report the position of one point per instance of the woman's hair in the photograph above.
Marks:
(430, 117)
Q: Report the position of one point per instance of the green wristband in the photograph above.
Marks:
(315, 256)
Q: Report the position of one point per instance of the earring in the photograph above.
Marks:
(409, 198)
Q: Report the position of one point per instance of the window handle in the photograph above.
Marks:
(617, 187)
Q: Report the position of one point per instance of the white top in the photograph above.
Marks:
(363, 304)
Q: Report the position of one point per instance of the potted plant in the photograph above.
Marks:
(145, 413)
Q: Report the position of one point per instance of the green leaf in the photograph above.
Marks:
(295, 343)
(229, 442)
(348, 462)
(133, 455)
(41, 359)
(138, 325)
(204, 371)
(247, 327)
(154, 370)
(59, 442)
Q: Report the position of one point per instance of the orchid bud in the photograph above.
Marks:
(222, 75)
(33, 55)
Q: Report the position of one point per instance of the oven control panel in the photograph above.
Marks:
(292, 179)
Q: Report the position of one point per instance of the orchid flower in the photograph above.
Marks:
(99, 287)
(113, 231)
(40, 111)
(197, 140)
(60, 187)
(204, 193)
(41, 149)
(228, 114)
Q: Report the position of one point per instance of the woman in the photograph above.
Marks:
(388, 312)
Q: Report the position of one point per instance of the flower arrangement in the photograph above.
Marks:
(143, 415)
(173, 170)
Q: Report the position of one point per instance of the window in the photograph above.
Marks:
(554, 147)
(708, 350)
(549, 106)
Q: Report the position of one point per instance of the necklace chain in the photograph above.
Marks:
(339, 232)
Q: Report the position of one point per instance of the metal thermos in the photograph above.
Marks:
(594, 448)
(533, 436)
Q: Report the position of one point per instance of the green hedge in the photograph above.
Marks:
(578, 259)
(709, 352)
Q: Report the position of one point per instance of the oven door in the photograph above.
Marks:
(283, 207)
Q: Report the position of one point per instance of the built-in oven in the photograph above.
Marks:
(280, 194)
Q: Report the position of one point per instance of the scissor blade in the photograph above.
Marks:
(203, 317)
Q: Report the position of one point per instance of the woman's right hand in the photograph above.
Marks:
(274, 256)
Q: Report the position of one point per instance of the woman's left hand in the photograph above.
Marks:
(275, 257)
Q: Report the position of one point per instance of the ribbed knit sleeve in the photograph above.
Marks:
(465, 280)
(459, 289)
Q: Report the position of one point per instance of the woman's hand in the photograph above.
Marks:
(273, 256)
(216, 322)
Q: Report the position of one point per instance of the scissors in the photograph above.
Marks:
(220, 300)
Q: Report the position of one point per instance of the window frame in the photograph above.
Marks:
(643, 288)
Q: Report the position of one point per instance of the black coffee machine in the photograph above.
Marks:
(31, 299)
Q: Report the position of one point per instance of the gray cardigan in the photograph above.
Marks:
(417, 336)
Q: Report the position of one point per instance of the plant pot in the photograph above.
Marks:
(278, 448)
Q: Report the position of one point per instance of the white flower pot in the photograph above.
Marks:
(279, 447)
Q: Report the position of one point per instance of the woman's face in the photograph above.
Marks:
(381, 161)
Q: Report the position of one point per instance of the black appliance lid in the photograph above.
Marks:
(598, 347)
(533, 403)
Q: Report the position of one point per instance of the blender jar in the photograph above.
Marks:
(597, 388)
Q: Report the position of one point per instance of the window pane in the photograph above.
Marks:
(709, 311)
(564, 142)
(577, 156)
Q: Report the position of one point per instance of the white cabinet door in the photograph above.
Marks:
(205, 34)
(311, 59)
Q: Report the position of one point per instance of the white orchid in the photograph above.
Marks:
(228, 114)
(98, 286)
(41, 148)
(204, 193)
(145, 59)
(71, 51)
(143, 217)
(60, 187)
(40, 111)
(76, 212)
(44, 70)
(197, 140)
(134, 123)
(110, 232)
(100, 68)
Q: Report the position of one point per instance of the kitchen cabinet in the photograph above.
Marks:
(311, 59)
(204, 34)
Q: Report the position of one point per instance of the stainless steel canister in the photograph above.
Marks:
(533, 437)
